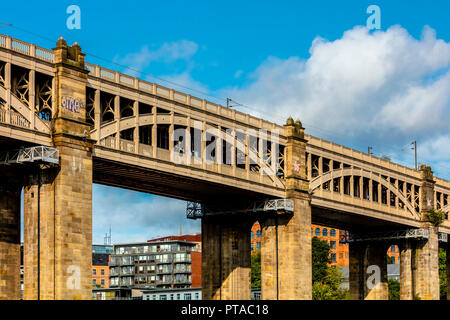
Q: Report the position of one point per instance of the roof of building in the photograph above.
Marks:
(100, 259)
(187, 237)
(165, 240)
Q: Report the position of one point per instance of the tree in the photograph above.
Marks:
(394, 289)
(443, 273)
(320, 259)
(327, 279)
(256, 269)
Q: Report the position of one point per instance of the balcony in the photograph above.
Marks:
(182, 270)
(164, 271)
(113, 273)
(183, 260)
(159, 261)
(182, 281)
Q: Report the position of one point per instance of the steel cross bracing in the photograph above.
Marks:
(196, 210)
(418, 234)
(41, 154)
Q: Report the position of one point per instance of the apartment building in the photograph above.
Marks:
(160, 263)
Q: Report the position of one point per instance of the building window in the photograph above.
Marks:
(393, 248)
(102, 282)
(171, 296)
(94, 272)
(196, 296)
(258, 245)
(252, 245)
(332, 233)
(162, 297)
(393, 260)
(333, 257)
(94, 281)
(325, 232)
(154, 297)
(178, 296)
(102, 272)
(252, 236)
(187, 296)
(332, 244)
(258, 234)
(317, 232)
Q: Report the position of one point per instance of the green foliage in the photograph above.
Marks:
(436, 217)
(329, 287)
(388, 259)
(320, 259)
(256, 269)
(394, 289)
(326, 280)
(443, 274)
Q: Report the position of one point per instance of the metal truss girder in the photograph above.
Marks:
(417, 234)
(196, 210)
(39, 154)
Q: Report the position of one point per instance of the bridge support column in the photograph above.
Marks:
(406, 278)
(9, 239)
(286, 261)
(426, 256)
(426, 266)
(286, 257)
(356, 270)
(226, 264)
(58, 202)
(368, 271)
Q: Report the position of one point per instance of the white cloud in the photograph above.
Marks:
(384, 87)
(167, 53)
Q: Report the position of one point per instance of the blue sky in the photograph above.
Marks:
(313, 60)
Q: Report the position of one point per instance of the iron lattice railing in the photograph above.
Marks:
(417, 234)
(31, 155)
(196, 210)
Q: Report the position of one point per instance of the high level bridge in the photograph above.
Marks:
(66, 124)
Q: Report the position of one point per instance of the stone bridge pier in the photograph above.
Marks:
(10, 188)
(419, 259)
(285, 241)
(58, 200)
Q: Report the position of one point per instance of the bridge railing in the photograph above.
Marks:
(171, 94)
(15, 118)
(26, 48)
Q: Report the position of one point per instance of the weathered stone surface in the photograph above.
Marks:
(226, 266)
(286, 239)
(368, 271)
(61, 269)
(426, 266)
(9, 240)
(406, 283)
